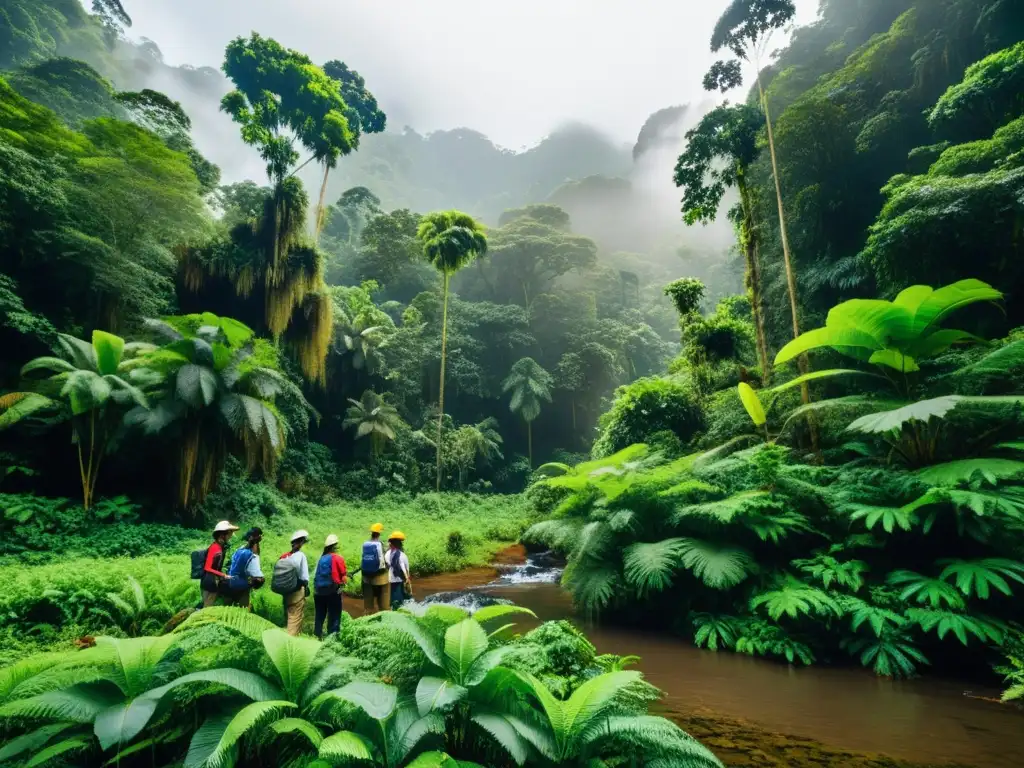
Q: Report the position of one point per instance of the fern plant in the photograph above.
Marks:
(794, 598)
(889, 654)
(713, 632)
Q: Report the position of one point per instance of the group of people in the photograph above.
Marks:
(386, 579)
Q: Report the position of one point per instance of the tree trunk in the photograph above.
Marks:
(529, 441)
(748, 235)
(440, 407)
(320, 210)
(805, 392)
(572, 402)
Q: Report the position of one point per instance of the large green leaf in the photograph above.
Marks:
(375, 699)
(33, 741)
(464, 643)
(976, 576)
(719, 567)
(216, 747)
(135, 659)
(344, 747)
(119, 724)
(59, 750)
(408, 729)
(925, 590)
(52, 364)
(13, 676)
(650, 566)
(930, 309)
(591, 700)
(889, 421)
(23, 407)
(196, 385)
(248, 624)
(816, 375)
(293, 658)
(434, 693)
(78, 703)
(248, 684)
(109, 350)
(892, 358)
(504, 733)
(953, 473)
(851, 338)
(489, 612)
(300, 726)
(752, 404)
(427, 644)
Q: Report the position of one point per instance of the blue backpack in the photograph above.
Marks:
(371, 558)
(322, 581)
(236, 573)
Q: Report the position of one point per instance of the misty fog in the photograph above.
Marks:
(554, 97)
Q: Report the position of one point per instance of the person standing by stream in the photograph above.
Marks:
(214, 578)
(398, 570)
(291, 581)
(376, 590)
(328, 581)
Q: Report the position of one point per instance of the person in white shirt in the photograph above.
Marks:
(398, 570)
(295, 603)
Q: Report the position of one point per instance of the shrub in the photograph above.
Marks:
(456, 544)
(645, 407)
(236, 497)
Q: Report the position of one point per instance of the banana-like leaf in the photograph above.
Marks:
(752, 404)
(890, 421)
(892, 358)
(344, 747)
(77, 703)
(16, 409)
(816, 375)
(827, 337)
(375, 699)
(434, 693)
(293, 658)
(930, 308)
(299, 725)
(464, 643)
(52, 364)
(109, 351)
(489, 612)
(427, 644)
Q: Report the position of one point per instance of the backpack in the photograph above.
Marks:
(396, 564)
(371, 558)
(286, 576)
(199, 562)
(322, 581)
(236, 573)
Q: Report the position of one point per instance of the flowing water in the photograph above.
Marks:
(756, 712)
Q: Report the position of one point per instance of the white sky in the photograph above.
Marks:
(512, 69)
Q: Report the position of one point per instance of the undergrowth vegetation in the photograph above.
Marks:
(136, 578)
(897, 542)
(433, 689)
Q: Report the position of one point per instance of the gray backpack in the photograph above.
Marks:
(285, 579)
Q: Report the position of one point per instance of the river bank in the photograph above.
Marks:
(753, 712)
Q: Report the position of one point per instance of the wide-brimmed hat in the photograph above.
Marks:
(330, 541)
(302, 533)
(223, 526)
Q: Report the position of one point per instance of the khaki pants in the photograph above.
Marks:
(376, 597)
(209, 598)
(294, 610)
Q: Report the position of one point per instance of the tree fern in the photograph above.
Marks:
(976, 576)
(960, 624)
(649, 567)
(713, 631)
(718, 567)
(794, 598)
(890, 518)
(881, 620)
(828, 570)
(924, 590)
(762, 638)
(890, 654)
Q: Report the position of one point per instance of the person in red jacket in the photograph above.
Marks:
(328, 581)
(213, 570)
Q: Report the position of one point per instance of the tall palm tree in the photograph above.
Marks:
(451, 240)
(219, 395)
(94, 384)
(372, 415)
(529, 385)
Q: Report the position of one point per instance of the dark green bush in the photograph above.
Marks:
(456, 544)
(237, 497)
(645, 407)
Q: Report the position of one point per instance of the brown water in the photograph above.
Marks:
(755, 712)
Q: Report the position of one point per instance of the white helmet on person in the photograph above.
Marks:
(302, 533)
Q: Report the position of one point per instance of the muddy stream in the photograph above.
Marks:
(755, 712)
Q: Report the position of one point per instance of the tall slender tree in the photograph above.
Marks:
(451, 240)
(530, 385)
(718, 156)
(745, 29)
(364, 116)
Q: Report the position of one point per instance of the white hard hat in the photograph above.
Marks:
(224, 525)
(330, 541)
(302, 533)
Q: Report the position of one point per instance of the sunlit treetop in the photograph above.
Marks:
(451, 240)
(364, 115)
(278, 89)
(746, 22)
(552, 215)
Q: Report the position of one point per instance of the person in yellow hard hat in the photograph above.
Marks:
(376, 595)
(398, 570)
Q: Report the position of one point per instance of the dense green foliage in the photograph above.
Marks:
(227, 687)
